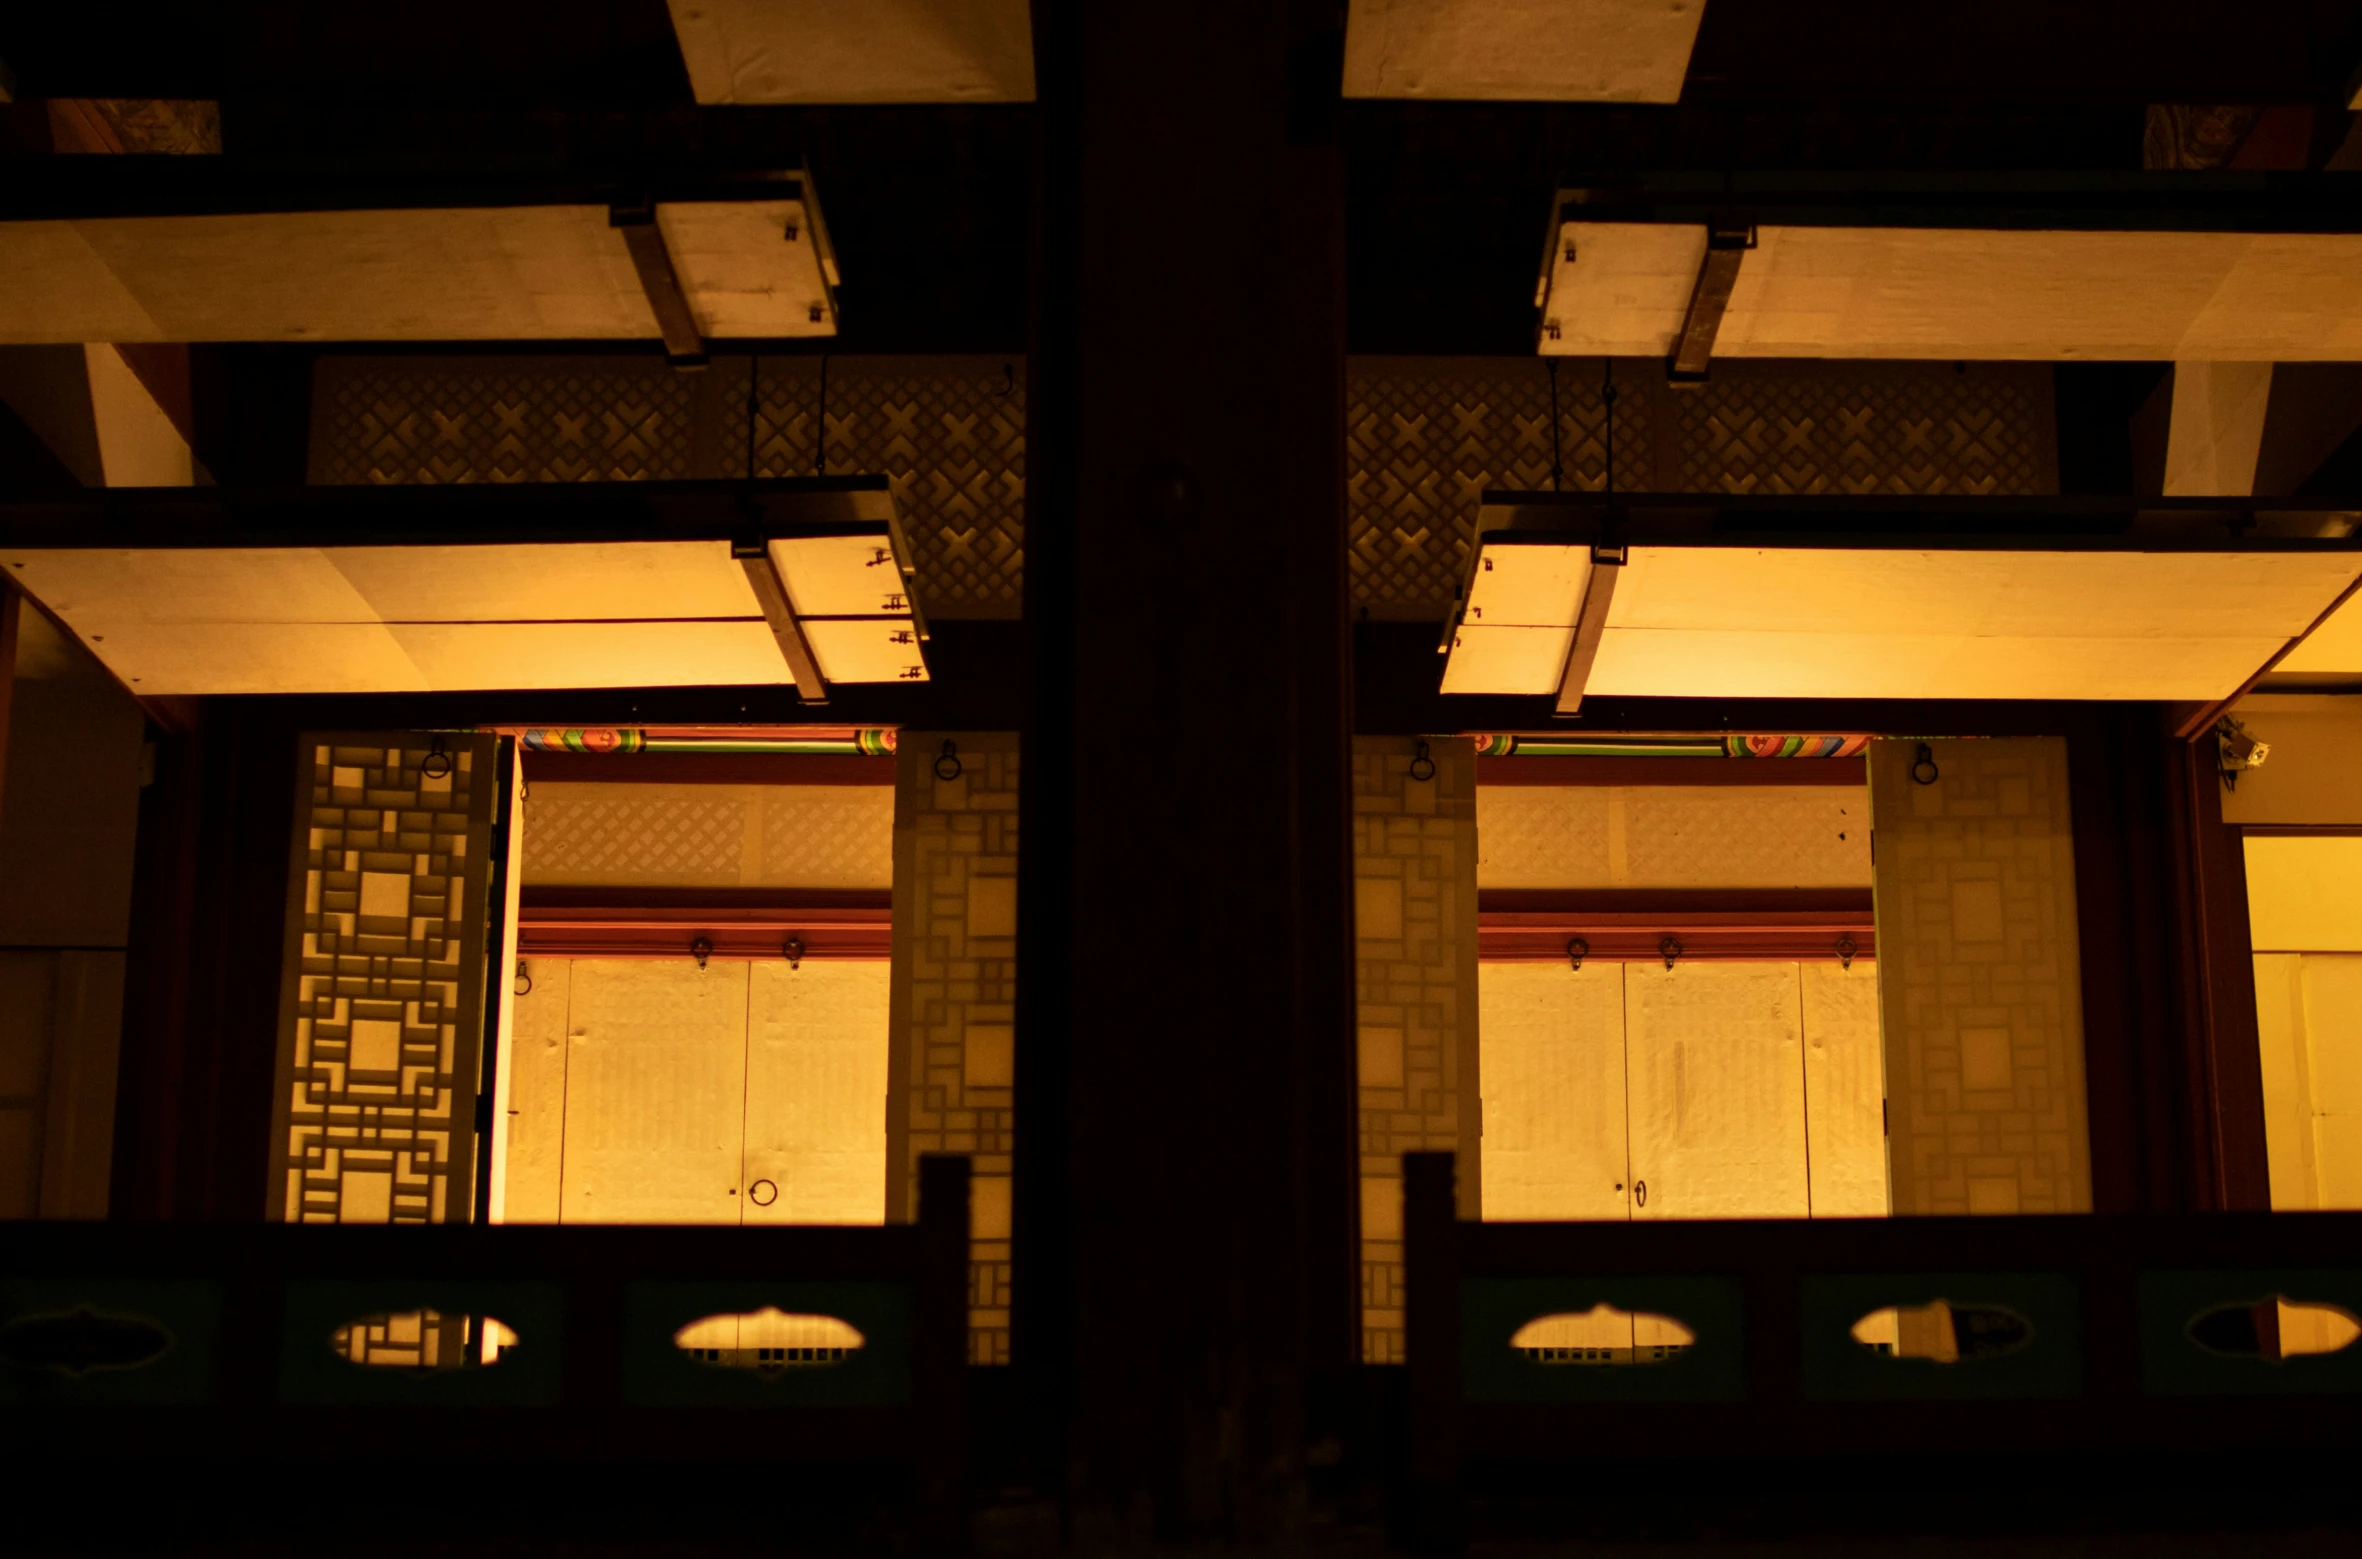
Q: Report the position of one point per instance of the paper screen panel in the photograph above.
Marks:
(1714, 1053)
(1980, 979)
(954, 988)
(379, 1037)
(2333, 1055)
(1967, 294)
(1553, 1068)
(816, 1091)
(1844, 1089)
(655, 1091)
(537, 1052)
(516, 273)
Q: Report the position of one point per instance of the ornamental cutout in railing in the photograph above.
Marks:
(422, 1341)
(82, 1341)
(1944, 1332)
(2274, 1328)
(769, 1341)
(1602, 1335)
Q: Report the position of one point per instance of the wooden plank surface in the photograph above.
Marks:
(1714, 1054)
(655, 1092)
(1552, 1074)
(816, 1092)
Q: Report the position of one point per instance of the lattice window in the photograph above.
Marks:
(955, 993)
(379, 1039)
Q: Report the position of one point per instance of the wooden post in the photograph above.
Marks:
(1186, 1191)
(1431, 1257)
(939, 1359)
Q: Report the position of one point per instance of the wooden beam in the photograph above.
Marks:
(1718, 273)
(675, 321)
(11, 610)
(771, 591)
(2191, 722)
(1598, 594)
(1728, 937)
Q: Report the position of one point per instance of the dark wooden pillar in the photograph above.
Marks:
(2173, 1074)
(202, 977)
(1186, 1196)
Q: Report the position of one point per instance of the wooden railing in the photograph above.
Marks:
(238, 1341)
(2115, 1334)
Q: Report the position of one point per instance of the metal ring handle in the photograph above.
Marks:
(1422, 765)
(947, 763)
(437, 763)
(1576, 951)
(1923, 767)
(762, 1193)
(522, 984)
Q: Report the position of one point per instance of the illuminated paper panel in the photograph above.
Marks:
(842, 576)
(1507, 660)
(867, 649)
(1900, 292)
(1815, 623)
(743, 275)
(1527, 585)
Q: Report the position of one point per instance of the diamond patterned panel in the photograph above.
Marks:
(1898, 428)
(948, 432)
(1424, 437)
(378, 1043)
(400, 420)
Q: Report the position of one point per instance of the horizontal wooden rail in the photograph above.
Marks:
(2107, 1361)
(130, 1340)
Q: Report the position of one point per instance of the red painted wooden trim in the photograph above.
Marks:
(1673, 771)
(1760, 937)
(697, 768)
(654, 931)
(1709, 903)
(722, 903)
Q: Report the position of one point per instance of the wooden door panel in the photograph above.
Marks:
(816, 1093)
(1714, 1053)
(535, 1091)
(655, 1091)
(1844, 1090)
(1553, 1085)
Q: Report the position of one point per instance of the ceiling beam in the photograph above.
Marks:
(684, 346)
(794, 648)
(1718, 273)
(1599, 591)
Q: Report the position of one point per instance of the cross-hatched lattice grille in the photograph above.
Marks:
(378, 1046)
(947, 432)
(1424, 437)
(405, 421)
(1896, 428)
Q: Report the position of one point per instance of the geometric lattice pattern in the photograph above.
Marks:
(403, 421)
(1414, 868)
(710, 836)
(1424, 438)
(378, 1044)
(954, 1009)
(1979, 978)
(1675, 835)
(948, 433)
(1894, 428)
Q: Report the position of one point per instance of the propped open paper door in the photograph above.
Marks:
(200, 595)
